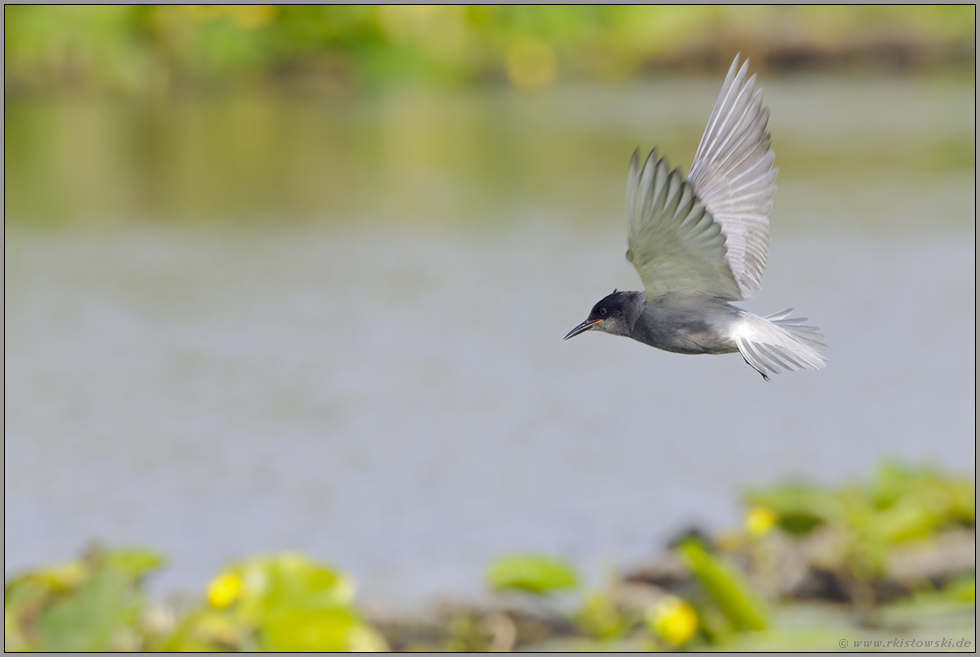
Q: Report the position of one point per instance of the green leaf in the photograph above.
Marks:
(725, 585)
(799, 509)
(91, 616)
(532, 572)
(136, 562)
(963, 590)
(293, 581)
(320, 630)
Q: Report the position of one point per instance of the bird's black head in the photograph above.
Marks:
(616, 314)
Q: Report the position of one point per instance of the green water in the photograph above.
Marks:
(463, 158)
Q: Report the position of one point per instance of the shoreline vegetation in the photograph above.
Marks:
(885, 564)
(161, 49)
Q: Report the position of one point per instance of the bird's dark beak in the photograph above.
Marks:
(582, 328)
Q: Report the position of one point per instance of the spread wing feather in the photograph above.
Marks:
(675, 245)
(733, 176)
(707, 236)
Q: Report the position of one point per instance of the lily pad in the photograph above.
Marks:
(535, 573)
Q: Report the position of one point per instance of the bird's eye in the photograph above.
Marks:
(602, 311)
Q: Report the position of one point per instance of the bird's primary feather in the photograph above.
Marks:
(708, 235)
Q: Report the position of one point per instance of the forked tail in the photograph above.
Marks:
(779, 342)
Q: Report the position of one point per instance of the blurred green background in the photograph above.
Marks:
(450, 113)
(163, 48)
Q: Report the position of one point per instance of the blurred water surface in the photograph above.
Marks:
(236, 325)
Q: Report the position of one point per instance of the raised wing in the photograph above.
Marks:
(732, 176)
(674, 243)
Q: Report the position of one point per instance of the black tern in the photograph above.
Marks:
(701, 243)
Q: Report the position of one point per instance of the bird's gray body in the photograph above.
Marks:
(701, 327)
(700, 243)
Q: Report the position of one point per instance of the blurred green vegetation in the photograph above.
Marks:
(91, 604)
(901, 503)
(718, 600)
(899, 506)
(531, 572)
(158, 48)
(282, 603)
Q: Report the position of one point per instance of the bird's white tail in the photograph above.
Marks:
(779, 342)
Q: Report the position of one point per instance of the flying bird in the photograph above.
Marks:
(700, 244)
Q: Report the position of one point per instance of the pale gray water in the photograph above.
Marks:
(393, 395)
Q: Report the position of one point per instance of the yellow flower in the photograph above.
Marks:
(759, 520)
(673, 619)
(224, 589)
